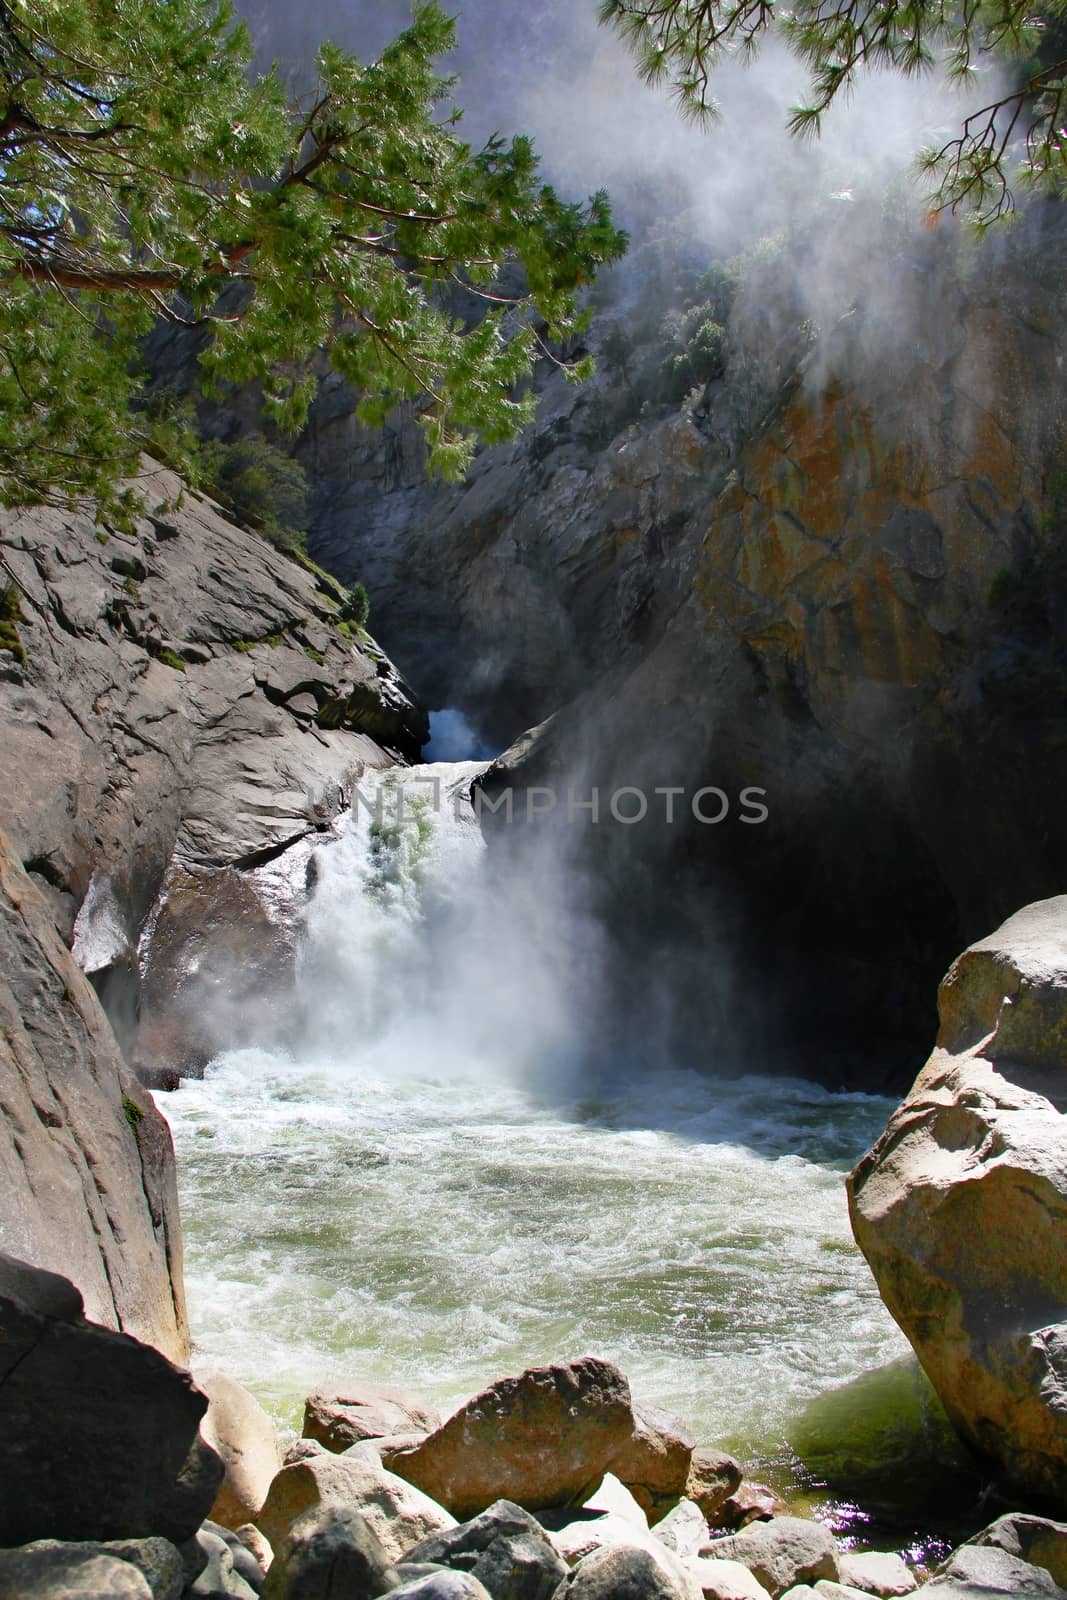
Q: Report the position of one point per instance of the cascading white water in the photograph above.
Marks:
(420, 1192)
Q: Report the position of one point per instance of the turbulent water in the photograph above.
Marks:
(419, 1191)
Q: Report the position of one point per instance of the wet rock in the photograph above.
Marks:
(713, 1478)
(752, 1502)
(879, 1572)
(330, 1551)
(121, 1456)
(398, 1513)
(87, 1185)
(505, 1548)
(48, 1570)
(654, 1463)
(244, 1437)
(541, 1439)
(961, 1206)
(781, 1553)
(346, 1417)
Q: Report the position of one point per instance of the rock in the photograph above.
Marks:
(256, 1545)
(239, 1430)
(1038, 1540)
(365, 1411)
(541, 1439)
(578, 1539)
(445, 1585)
(219, 1577)
(398, 1513)
(87, 1185)
(614, 1499)
(729, 1580)
(879, 1572)
(713, 1478)
(976, 1573)
(330, 1551)
(303, 1450)
(156, 1559)
(245, 1564)
(122, 1456)
(654, 1463)
(961, 1206)
(505, 1548)
(752, 1502)
(781, 1553)
(683, 1530)
(48, 1570)
(151, 752)
(624, 1573)
(828, 1590)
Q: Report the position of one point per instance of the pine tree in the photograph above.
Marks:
(146, 173)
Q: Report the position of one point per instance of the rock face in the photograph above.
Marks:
(99, 1434)
(961, 1206)
(544, 1438)
(87, 1186)
(183, 708)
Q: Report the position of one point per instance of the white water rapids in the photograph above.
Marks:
(421, 1193)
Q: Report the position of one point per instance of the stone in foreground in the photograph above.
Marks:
(713, 1478)
(961, 1206)
(880, 1572)
(781, 1553)
(398, 1513)
(363, 1411)
(329, 1551)
(976, 1573)
(505, 1548)
(727, 1580)
(542, 1439)
(654, 1463)
(121, 1455)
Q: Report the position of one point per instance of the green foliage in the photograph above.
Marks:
(697, 341)
(170, 659)
(145, 173)
(356, 607)
(263, 487)
(683, 41)
(10, 617)
(133, 1113)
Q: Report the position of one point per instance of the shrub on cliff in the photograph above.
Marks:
(261, 485)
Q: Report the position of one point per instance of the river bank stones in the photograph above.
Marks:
(544, 1438)
(782, 1553)
(244, 1437)
(505, 1548)
(341, 1418)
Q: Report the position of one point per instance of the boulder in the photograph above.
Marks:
(683, 1530)
(444, 1585)
(505, 1548)
(398, 1513)
(87, 1185)
(961, 1206)
(256, 1545)
(713, 1478)
(1038, 1540)
(751, 1502)
(654, 1462)
(121, 1456)
(48, 1570)
(246, 1564)
(541, 1439)
(330, 1551)
(614, 1499)
(578, 1539)
(219, 1578)
(880, 1572)
(728, 1580)
(827, 1589)
(974, 1572)
(242, 1434)
(362, 1411)
(625, 1572)
(781, 1553)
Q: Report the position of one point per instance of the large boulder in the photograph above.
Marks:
(626, 1572)
(330, 1550)
(397, 1512)
(713, 1478)
(505, 1548)
(48, 1570)
(87, 1186)
(781, 1553)
(344, 1417)
(975, 1572)
(99, 1434)
(1037, 1540)
(244, 1437)
(961, 1206)
(544, 1438)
